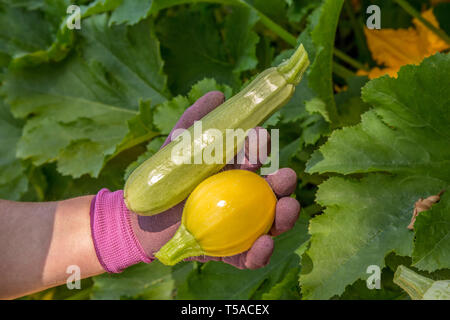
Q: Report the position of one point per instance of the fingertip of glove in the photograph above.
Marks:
(209, 101)
(283, 181)
(287, 213)
(259, 254)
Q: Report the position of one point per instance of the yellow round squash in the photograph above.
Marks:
(223, 216)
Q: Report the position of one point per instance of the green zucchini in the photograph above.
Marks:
(421, 288)
(160, 183)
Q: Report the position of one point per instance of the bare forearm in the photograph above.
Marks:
(38, 241)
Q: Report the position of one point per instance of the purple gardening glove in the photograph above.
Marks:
(129, 238)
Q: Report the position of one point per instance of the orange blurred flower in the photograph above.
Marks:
(435, 2)
(394, 48)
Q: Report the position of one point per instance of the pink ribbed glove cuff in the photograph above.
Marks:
(115, 242)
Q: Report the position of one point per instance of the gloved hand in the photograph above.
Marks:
(124, 238)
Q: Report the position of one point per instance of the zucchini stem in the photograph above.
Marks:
(294, 67)
(181, 246)
(414, 284)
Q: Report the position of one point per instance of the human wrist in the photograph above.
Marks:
(115, 242)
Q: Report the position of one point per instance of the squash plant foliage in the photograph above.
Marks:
(80, 109)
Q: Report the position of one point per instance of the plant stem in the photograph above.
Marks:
(277, 29)
(272, 25)
(292, 40)
(344, 57)
(341, 71)
(413, 12)
(293, 68)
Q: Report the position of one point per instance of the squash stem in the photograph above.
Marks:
(294, 67)
(181, 246)
(414, 284)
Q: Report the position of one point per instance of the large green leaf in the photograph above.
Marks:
(99, 6)
(78, 126)
(193, 47)
(132, 53)
(407, 132)
(403, 144)
(432, 231)
(58, 186)
(287, 289)
(42, 34)
(142, 281)
(35, 32)
(131, 11)
(32, 33)
(13, 181)
(80, 106)
(358, 228)
(140, 129)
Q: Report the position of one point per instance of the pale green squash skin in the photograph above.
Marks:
(419, 287)
(172, 182)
